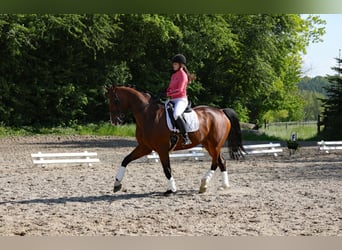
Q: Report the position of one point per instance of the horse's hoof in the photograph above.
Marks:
(117, 188)
(203, 187)
(169, 192)
(223, 188)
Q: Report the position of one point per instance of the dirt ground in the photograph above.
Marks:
(285, 195)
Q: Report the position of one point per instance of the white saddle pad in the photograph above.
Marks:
(191, 124)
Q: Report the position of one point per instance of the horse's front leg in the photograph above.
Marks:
(165, 161)
(138, 152)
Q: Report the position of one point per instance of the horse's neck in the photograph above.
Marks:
(137, 102)
(146, 111)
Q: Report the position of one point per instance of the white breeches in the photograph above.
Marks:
(180, 105)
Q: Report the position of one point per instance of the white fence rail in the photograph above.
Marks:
(270, 148)
(60, 158)
(329, 145)
(194, 152)
(295, 123)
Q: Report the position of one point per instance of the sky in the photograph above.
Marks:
(320, 57)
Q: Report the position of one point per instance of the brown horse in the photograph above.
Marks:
(152, 133)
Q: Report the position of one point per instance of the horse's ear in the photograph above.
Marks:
(106, 87)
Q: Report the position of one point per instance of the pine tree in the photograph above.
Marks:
(332, 116)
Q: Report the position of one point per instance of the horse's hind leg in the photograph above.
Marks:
(206, 179)
(217, 161)
(223, 168)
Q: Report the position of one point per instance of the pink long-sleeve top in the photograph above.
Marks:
(177, 85)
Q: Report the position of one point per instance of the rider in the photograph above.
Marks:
(177, 92)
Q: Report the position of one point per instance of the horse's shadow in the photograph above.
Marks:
(91, 199)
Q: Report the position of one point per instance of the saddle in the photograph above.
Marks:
(189, 116)
(170, 108)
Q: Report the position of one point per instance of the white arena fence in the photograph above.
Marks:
(294, 123)
(63, 158)
(329, 145)
(194, 152)
(198, 151)
(269, 148)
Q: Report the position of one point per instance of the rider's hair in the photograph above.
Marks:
(191, 76)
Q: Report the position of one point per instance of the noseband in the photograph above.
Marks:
(118, 115)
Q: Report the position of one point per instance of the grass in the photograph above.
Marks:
(273, 133)
(100, 129)
(283, 133)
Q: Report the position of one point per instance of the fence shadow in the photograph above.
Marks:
(86, 142)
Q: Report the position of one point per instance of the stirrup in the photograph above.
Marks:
(173, 142)
(186, 140)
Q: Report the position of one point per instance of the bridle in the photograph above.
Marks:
(117, 116)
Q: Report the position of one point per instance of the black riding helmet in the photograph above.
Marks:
(179, 58)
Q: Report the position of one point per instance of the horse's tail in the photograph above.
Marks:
(235, 146)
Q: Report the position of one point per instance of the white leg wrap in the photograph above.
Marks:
(172, 185)
(225, 182)
(120, 174)
(208, 175)
(205, 181)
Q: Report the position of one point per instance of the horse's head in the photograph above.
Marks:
(122, 99)
(115, 105)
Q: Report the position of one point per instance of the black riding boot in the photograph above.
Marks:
(181, 126)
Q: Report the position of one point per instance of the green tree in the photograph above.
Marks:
(259, 66)
(312, 91)
(317, 84)
(332, 116)
(208, 43)
(145, 46)
(53, 67)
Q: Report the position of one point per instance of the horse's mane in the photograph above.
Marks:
(152, 98)
(146, 93)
